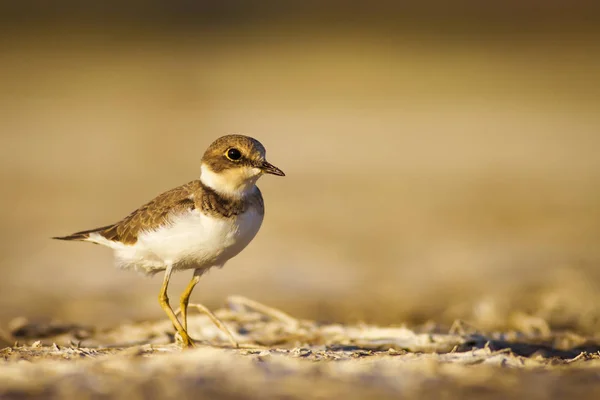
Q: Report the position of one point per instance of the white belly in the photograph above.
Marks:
(191, 241)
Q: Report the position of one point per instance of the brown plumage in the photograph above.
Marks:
(156, 213)
(251, 148)
(194, 194)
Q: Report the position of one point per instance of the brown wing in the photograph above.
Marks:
(147, 217)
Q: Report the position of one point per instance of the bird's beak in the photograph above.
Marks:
(269, 168)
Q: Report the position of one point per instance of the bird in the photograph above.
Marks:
(197, 226)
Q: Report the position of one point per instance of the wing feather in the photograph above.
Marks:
(148, 217)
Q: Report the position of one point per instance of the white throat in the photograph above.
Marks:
(234, 182)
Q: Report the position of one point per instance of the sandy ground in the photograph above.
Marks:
(280, 356)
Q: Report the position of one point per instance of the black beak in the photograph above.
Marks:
(269, 168)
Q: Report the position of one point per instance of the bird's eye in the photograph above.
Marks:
(234, 154)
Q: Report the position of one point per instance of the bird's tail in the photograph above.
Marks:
(83, 235)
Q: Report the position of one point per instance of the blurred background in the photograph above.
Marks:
(442, 158)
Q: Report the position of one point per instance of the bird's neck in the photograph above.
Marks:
(227, 182)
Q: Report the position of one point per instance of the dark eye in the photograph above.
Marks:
(234, 154)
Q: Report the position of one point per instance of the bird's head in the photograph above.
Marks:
(232, 164)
